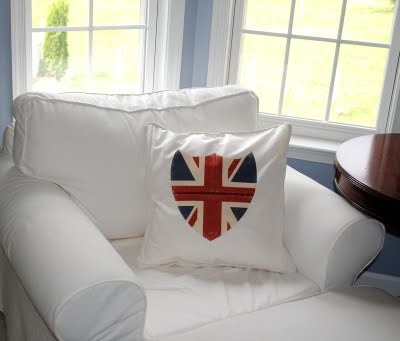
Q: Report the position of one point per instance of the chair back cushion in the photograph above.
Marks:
(93, 146)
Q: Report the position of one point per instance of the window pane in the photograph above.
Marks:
(117, 61)
(267, 15)
(117, 12)
(261, 68)
(60, 61)
(317, 18)
(56, 13)
(308, 79)
(358, 83)
(369, 20)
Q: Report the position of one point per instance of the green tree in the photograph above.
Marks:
(55, 47)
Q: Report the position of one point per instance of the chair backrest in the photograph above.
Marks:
(93, 146)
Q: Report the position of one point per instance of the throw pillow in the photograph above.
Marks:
(216, 199)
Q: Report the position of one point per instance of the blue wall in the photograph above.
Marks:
(196, 43)
(197, 31)
(189, 38)
(320, 172)
(5, 66)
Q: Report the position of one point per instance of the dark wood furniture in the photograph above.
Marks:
(367, 174)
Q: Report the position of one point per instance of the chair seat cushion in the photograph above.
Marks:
(181, 299)
(353, 313)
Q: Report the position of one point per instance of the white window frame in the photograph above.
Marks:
(312, 140)
(161, 55)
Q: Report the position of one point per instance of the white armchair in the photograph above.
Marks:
(63, 278)
(327, 238)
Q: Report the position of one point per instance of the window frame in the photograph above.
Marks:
(223, 69)
(163, 33)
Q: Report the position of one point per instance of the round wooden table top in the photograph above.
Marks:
(368, 175)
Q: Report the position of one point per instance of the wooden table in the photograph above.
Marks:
(367, 174)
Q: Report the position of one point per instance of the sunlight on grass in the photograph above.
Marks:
(116, 12)
(78, 12)
(308, 79)
(261, 68)
(76, 76)
(116, 61)
(359, 80)
(368, 20)
(117, 54)
(360, 73)
(317, 18)
(268, 15)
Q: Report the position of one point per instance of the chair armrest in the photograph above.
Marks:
(8, 138)
(330, 241)
(78, 283)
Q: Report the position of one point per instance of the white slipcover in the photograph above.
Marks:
(93, 145)
(61, 279)
(75, 279)
(56, 252)
(356, 314)
(182, 299)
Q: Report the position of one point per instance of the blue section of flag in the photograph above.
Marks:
(247, 171)
(239, 212)
(185, 210)
(179, 169)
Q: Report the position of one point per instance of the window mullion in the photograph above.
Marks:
(335, 61)
(285, 65)
(143, 41)
(90, 69)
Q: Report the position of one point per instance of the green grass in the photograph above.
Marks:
(360, 70)
(105, 12)
(116, 62)
(358, 81)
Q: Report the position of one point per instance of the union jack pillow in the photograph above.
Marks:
(216, 199)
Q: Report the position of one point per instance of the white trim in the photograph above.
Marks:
(316, 129)
(391, 284)
(170, 25)
(335, 61)
(149, 15)
(21, 43)
(90, 51)
(220, 41)
(393, 123)
(90, 27)
(286, 60)
(236, 45)
(20, 39)
(314, 140)
(315, 38)
(388, 93)
(389, 112)
(311, 149)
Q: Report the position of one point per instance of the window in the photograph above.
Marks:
(95, 45)
(328, 67)
(89, 45)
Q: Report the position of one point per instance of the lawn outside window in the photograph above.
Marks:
(327, 67)
(94, 45)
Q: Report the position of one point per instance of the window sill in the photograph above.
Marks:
(314, 140)
(312, 149)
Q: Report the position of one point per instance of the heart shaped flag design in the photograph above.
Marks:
(213, 192)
